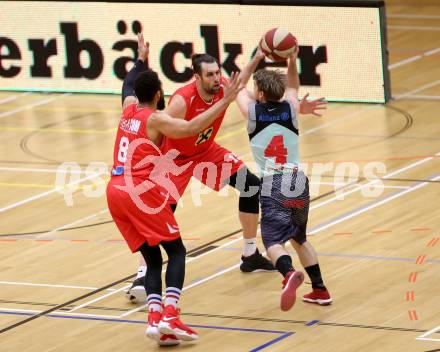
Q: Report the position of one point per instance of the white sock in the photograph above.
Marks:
(172, 296)
(142, 271)
(154, 303)
(249, 246)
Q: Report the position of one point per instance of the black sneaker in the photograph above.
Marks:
(255, 263)
(136, 293)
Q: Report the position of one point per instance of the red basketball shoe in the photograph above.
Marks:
(291, 282)
(153, 331)
(321, 297)
(171, 324)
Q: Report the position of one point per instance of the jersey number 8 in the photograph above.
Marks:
(123, 149)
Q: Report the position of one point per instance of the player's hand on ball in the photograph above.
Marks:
(232, 88)
(259, 54)
(143, 47)
(294, 54)
(312, 106)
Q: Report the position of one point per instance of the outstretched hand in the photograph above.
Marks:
(143, 47)
(232, 88)
(312, 106)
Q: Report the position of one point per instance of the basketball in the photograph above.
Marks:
(277, 44)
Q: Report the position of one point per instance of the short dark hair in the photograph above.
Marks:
(146, 86)
(198, 59)
(271, 82)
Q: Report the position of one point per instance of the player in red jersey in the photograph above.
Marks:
(187, 103)
(139, 190)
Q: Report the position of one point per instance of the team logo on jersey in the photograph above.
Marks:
(205, 135)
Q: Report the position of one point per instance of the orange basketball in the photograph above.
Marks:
(277, 44)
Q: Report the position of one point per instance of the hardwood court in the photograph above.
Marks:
(64, 268)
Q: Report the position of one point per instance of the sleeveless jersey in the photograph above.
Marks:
(132, 126)
(195, 105)
(273, 133)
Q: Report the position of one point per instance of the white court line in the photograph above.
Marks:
(406, 15)
(426, 86)
(357, 188)
(413, 58)
(50, 285)
(99, 298)
(30, 106)
(59, 313)
(430, 332)
(213, 276)
(319, 229)
(391, 174)
(427, 339)
(187, 262)
(315, 231)
(41, 195)
(15, 97)
(372, 206)
(73, 223)
(53, 171)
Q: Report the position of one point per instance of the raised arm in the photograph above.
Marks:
(292, 88)
(244, 97)
(179, 128)
(292, 79)
(128, 96)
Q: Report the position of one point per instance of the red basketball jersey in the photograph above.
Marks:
(195, 105)
(133, 126)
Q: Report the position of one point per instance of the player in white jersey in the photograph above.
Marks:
(271, 112)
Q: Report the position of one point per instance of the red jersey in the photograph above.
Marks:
(195, 105)
(133, 126)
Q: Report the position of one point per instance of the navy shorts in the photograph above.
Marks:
(284, 203)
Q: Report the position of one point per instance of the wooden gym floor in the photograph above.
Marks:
(64, 269)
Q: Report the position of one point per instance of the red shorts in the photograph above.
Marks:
(144, 218)
(212, 168)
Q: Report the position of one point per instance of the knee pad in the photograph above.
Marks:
(249, 186)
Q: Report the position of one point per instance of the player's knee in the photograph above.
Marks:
(297, 242)
(249, 201)
(152, 256)
(175, 249)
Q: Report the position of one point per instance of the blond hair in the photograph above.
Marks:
(271, 82)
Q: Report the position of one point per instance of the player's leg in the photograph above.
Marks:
(292, 279)
(309, 260)
(121, 210)
(153, 286)
(136, 293)
(174, 277)
(276, 230)
(306, 253)
(229, 169)
(248, 185)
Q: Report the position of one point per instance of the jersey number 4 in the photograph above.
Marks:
(276, 149)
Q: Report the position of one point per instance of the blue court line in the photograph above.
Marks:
(284, 334)
(312, 322)
(373, 257)
(271, 342)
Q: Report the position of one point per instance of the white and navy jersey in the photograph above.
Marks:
(273, 133)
